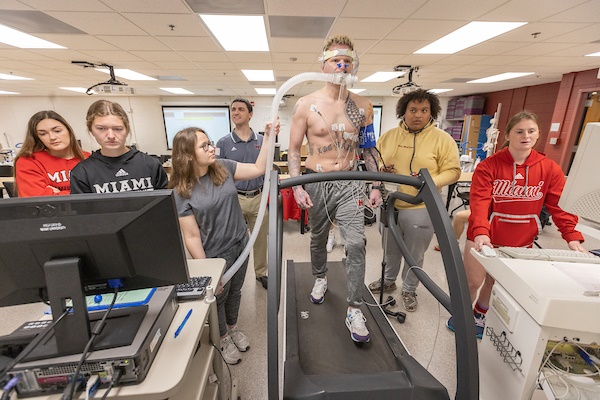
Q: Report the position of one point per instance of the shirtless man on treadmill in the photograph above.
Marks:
(337, 125)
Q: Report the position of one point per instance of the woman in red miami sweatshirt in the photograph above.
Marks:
(507, 194)
(49, 152)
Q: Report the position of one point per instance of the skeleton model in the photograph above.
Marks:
(492, 133)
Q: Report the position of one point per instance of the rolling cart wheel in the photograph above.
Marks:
(391, 301)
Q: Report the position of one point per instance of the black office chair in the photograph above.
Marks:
(463, 192)
(544, 220)
(10, 189)
(6, 171)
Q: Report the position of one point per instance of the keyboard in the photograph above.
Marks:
(21, 337)
(562, 255)
(195, 288)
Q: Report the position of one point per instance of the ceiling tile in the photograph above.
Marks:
(66, 5)
(148, 6)
(304, 27)
(137, 34)
(384, 8)
(146, 43)
(108, 23)
(586, 11)
(457, 10)
(160, 24)
(34, 22)
(236, 7)
(530, 10)
(308, 8)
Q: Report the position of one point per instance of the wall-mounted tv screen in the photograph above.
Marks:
(213, 119)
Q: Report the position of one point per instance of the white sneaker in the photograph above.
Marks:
(229, 351)
(317, 295)
(331, 242)
(355, 321)
(239, 338)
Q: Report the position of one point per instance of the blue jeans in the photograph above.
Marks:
(228, 301)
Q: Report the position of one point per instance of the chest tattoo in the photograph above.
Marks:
(354, 114)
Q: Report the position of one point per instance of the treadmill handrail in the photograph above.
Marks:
(350, 176)
(467, 369)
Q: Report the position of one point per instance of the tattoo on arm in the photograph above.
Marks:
(370, 156)
(294, 163)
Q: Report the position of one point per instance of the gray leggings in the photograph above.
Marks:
(339, 200)
(228, 301)
(417, 232)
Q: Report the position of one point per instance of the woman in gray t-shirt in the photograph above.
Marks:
(211, 219)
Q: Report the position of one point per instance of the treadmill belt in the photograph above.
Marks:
(325, 333)
(323, 362)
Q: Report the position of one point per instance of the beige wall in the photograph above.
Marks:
(146, 116)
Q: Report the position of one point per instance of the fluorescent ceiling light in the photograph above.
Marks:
(467, 36)
(22, 40)
(127, 74)
(75, 89)
(436, 91)
(501, 77)
(383, 76)
(238, 32)
(176, 90)
(270, 91)
(593, 54)
(5, 92)
(259, 75)
(10, 77)
(357, 91)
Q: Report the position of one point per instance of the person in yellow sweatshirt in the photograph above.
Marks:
(415, 144)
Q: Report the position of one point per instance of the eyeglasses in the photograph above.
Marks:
(205, 146)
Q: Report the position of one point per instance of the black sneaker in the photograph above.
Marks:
(263, 281)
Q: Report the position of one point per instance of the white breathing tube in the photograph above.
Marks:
(341, 79)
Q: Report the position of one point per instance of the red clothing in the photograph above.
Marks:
(35, 173)
(506, 200)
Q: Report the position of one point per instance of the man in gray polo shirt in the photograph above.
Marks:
(243, 145)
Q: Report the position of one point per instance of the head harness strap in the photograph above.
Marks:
(338, 52)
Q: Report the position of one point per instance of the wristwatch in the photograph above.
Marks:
(378, 187)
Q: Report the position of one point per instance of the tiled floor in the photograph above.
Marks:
(424, 333)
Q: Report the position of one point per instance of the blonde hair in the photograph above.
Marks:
(103, 108)
(186, 170)
(339, 39)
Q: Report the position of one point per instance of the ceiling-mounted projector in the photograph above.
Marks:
(407, 87)
(112, 89)
(401, 90)
(111, 86)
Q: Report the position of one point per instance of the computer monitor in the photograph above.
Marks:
(581, 195)
(63, 248)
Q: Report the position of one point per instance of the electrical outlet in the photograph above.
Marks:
(553, 140)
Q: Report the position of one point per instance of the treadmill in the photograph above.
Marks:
(324, 363)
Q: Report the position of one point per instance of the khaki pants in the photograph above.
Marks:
(250, 207)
